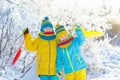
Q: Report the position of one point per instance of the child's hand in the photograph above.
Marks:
(75, 27)
(25, 31)
(59, 74)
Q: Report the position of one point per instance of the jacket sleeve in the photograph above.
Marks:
(80, 36)
(30, 45)
(59, 61)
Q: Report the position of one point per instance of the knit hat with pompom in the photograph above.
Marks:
(45, 23)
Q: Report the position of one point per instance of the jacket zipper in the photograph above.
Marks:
(39, 62)
(49, 59)
(78, 58)
(70, 60)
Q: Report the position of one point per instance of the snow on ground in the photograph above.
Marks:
(31, 75)
(103, 61)
(109, 66)
(109, 70)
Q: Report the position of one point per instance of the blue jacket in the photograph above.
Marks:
(70, 58)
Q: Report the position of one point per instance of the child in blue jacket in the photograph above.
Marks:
(69, 54)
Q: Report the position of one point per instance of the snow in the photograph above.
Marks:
(102, 58)
(31, 75)
(107, 70)
(109, 66)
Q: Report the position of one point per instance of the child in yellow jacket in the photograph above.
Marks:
(45, 46)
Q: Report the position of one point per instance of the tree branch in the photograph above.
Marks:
(10, 1)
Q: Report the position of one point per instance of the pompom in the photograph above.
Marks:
(46, 18)
(57, 25)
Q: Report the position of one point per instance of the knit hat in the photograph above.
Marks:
(45, 23)
(60, 31)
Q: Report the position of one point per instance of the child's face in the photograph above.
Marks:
(48, 29)
(63, 37)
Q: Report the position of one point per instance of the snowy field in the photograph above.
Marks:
(106, 68)
(101, 54)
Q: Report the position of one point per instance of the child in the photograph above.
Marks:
(69, 54)
(45, 47)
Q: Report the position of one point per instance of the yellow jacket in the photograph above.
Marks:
(45, 54)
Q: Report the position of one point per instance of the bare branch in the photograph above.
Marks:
(20, 3)
(10, 1)
(26, 72)
(11, 51)
(24, 63)
(7, 40)
(1, 40)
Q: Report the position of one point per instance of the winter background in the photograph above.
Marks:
(101, 53)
